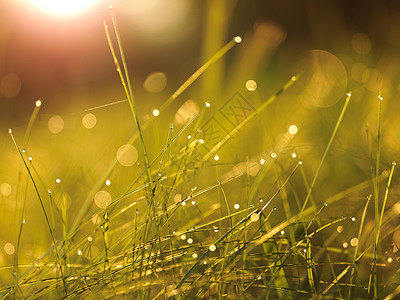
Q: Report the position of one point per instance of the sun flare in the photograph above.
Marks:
(63, 7)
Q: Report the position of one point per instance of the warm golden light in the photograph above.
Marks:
(63, 7)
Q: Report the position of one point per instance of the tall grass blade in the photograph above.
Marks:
(356, 248)
(44, 211)
(326, 150)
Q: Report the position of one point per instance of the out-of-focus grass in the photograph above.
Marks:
(231, 201)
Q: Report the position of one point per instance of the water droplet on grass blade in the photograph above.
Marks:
(251, 85)
(293, 129)
(254, 217)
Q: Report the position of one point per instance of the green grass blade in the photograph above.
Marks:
(356, 249)
(326, 150)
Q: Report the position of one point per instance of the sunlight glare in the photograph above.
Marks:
(63, 7)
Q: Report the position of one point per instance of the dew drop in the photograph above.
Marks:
(293, 129)
(251, 85)
(354, 241)
(254, 217)
(156, 112)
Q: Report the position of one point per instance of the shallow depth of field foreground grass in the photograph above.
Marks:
(240, 184)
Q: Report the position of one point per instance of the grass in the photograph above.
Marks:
(184, 223)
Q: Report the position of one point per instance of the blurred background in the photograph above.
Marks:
(65, 61)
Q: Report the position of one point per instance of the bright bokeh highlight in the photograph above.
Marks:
(155, 82)
(127, 155)
(89, 121)
(55, 124)
(9, 248)
(102, 199)
(5, 189)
